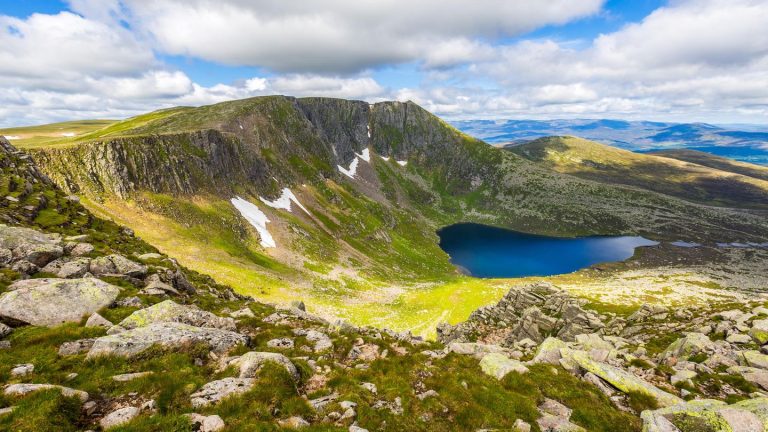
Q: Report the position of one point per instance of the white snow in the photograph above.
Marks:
(386, 158)
(241, 127)
(352, 168)
(68, 134)
(12, 137)
(365, 155)
(255, 217)
(369, 131)
(403, 163)
(284, 202)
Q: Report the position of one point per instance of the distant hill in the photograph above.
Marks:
(721, 163)
(747, 143)
(713, 181)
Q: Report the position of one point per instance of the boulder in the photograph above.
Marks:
(709, 415)
(754, 359)
(321, 340)
(51, 302)
(549, 351)
(282, 343)
(117, 264)
(499, 365)
(477, 350)
(624, 381)
(294, 422)
(364, 352)
(76, 347)
(753, 375)
(251, 362)
(170, 311)
(67, 268)
(97, 320)
(30, 245)
(215, 391)
(25, 389)
(759, 331)
(692, 343)
(81, 249)
(22, 370)
(119, 417)
(170, 335)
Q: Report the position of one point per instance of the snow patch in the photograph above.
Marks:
(241, 127)
(68, 134)
(257, 218)
(352, 168)
(12, 137)
(369, 131)
(386, 158)
(284, 202)
(403, 163)
(365, 155)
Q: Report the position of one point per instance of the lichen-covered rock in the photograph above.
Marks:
(754, 359)
(25, 389)
(321, 340)
(171, 335)
(623, 380)
(499, 365)
(215, 391)
(67, 268)
(51, 302)
(30, 245)
(251, 362)
(81, 249)
(170, 311)
(201, 423)
(549, 351)
(709, 415)
(759, 331)
(117, 264)
(692, 343)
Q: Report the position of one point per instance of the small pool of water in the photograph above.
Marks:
(490, 252)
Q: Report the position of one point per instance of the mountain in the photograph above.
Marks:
(217, 186)
(687, 180)
(747, 143)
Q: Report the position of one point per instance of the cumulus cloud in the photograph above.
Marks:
(332, 36)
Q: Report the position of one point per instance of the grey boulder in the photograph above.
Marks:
(166, 334)
(51, 302)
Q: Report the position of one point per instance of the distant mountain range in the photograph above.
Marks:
(748, 143)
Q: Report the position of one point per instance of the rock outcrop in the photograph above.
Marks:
(526, 312)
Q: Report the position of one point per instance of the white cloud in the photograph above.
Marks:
(332, 36)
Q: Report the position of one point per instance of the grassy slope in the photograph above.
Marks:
(716, 162)
(690, 181)
(369, 251)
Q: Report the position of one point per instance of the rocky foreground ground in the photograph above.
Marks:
(98, 332)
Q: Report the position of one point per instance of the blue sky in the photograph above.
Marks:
(678, 60)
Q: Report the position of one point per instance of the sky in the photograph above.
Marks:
(669, 60)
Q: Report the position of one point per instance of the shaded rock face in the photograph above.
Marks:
(170, 335)
(51, 302)
(527, 312)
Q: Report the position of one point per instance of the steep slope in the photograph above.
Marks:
(351, 195)
(686, 180)
(717, 162)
